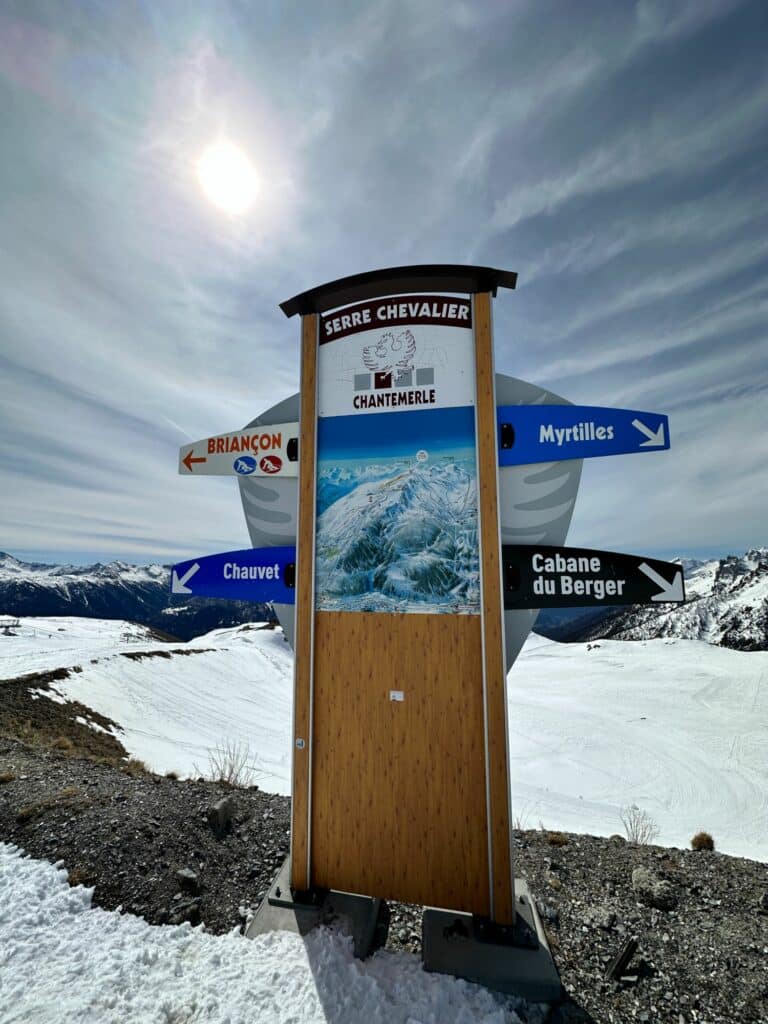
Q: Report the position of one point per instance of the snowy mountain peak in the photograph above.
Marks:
(726, 604)
(99, 572)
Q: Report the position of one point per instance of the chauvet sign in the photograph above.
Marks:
(263, 574)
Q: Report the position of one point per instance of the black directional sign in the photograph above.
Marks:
(548, 577)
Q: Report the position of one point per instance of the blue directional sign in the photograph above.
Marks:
(553, 433)
(253, 574)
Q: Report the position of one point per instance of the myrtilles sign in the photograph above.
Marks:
(412, 526)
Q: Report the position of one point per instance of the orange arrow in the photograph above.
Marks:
(188, 460)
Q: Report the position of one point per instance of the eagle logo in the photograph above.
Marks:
(390, 353)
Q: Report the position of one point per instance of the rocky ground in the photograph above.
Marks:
(171, 851)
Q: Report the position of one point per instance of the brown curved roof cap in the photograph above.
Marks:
(437, 277)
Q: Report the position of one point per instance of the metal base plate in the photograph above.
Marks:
(462, 945)
(282, 910)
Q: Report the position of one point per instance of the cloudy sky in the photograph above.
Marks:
(614, 154)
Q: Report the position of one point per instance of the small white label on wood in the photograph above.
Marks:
(396, 695)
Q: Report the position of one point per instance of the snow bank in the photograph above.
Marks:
(42, 643)
(678, 727)
(62, 960)
(172, 710)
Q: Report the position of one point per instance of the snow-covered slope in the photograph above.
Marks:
(110, 968)
(678, 727)
(726, 604)
(231, 687)
(41, 644)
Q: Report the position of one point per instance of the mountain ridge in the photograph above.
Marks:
(116, 590)
(726, 605)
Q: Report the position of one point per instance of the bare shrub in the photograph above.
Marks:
(63, 743)
(64, 798)
(81, 876)
(134, 767)
(521, 819)
(6, 777)
(228, 763)
(640, 827)
(557, 839)
(174, 776)
(702, 841)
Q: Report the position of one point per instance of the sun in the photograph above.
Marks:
(227, 177)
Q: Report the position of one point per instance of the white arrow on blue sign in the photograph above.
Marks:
(553, 433)
(253, 574)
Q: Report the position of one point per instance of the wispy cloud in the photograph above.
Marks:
(613, 154)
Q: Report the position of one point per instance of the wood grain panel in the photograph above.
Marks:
(302, 679)
(398, 807)
(502, 899)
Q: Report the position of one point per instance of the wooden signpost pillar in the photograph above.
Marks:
(400, 773)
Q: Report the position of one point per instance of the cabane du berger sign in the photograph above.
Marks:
(551, 577)
(396, 463)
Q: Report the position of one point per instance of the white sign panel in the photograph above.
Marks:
(395, 355)
(256, 451)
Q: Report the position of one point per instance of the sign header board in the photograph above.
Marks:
(397, 354)
(259, 451)
(253, 574)
(550, 577)
(553, 433)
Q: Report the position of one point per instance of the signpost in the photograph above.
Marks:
(253, 574)
(551, 433)
(550, 577)
(398, 512)
(427, 501)
(260, 451)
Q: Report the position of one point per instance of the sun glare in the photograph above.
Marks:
(227, 177)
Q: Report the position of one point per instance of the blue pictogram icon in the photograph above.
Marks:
(244, 465)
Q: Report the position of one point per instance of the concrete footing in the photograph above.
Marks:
(515, 960)
(363, 917)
